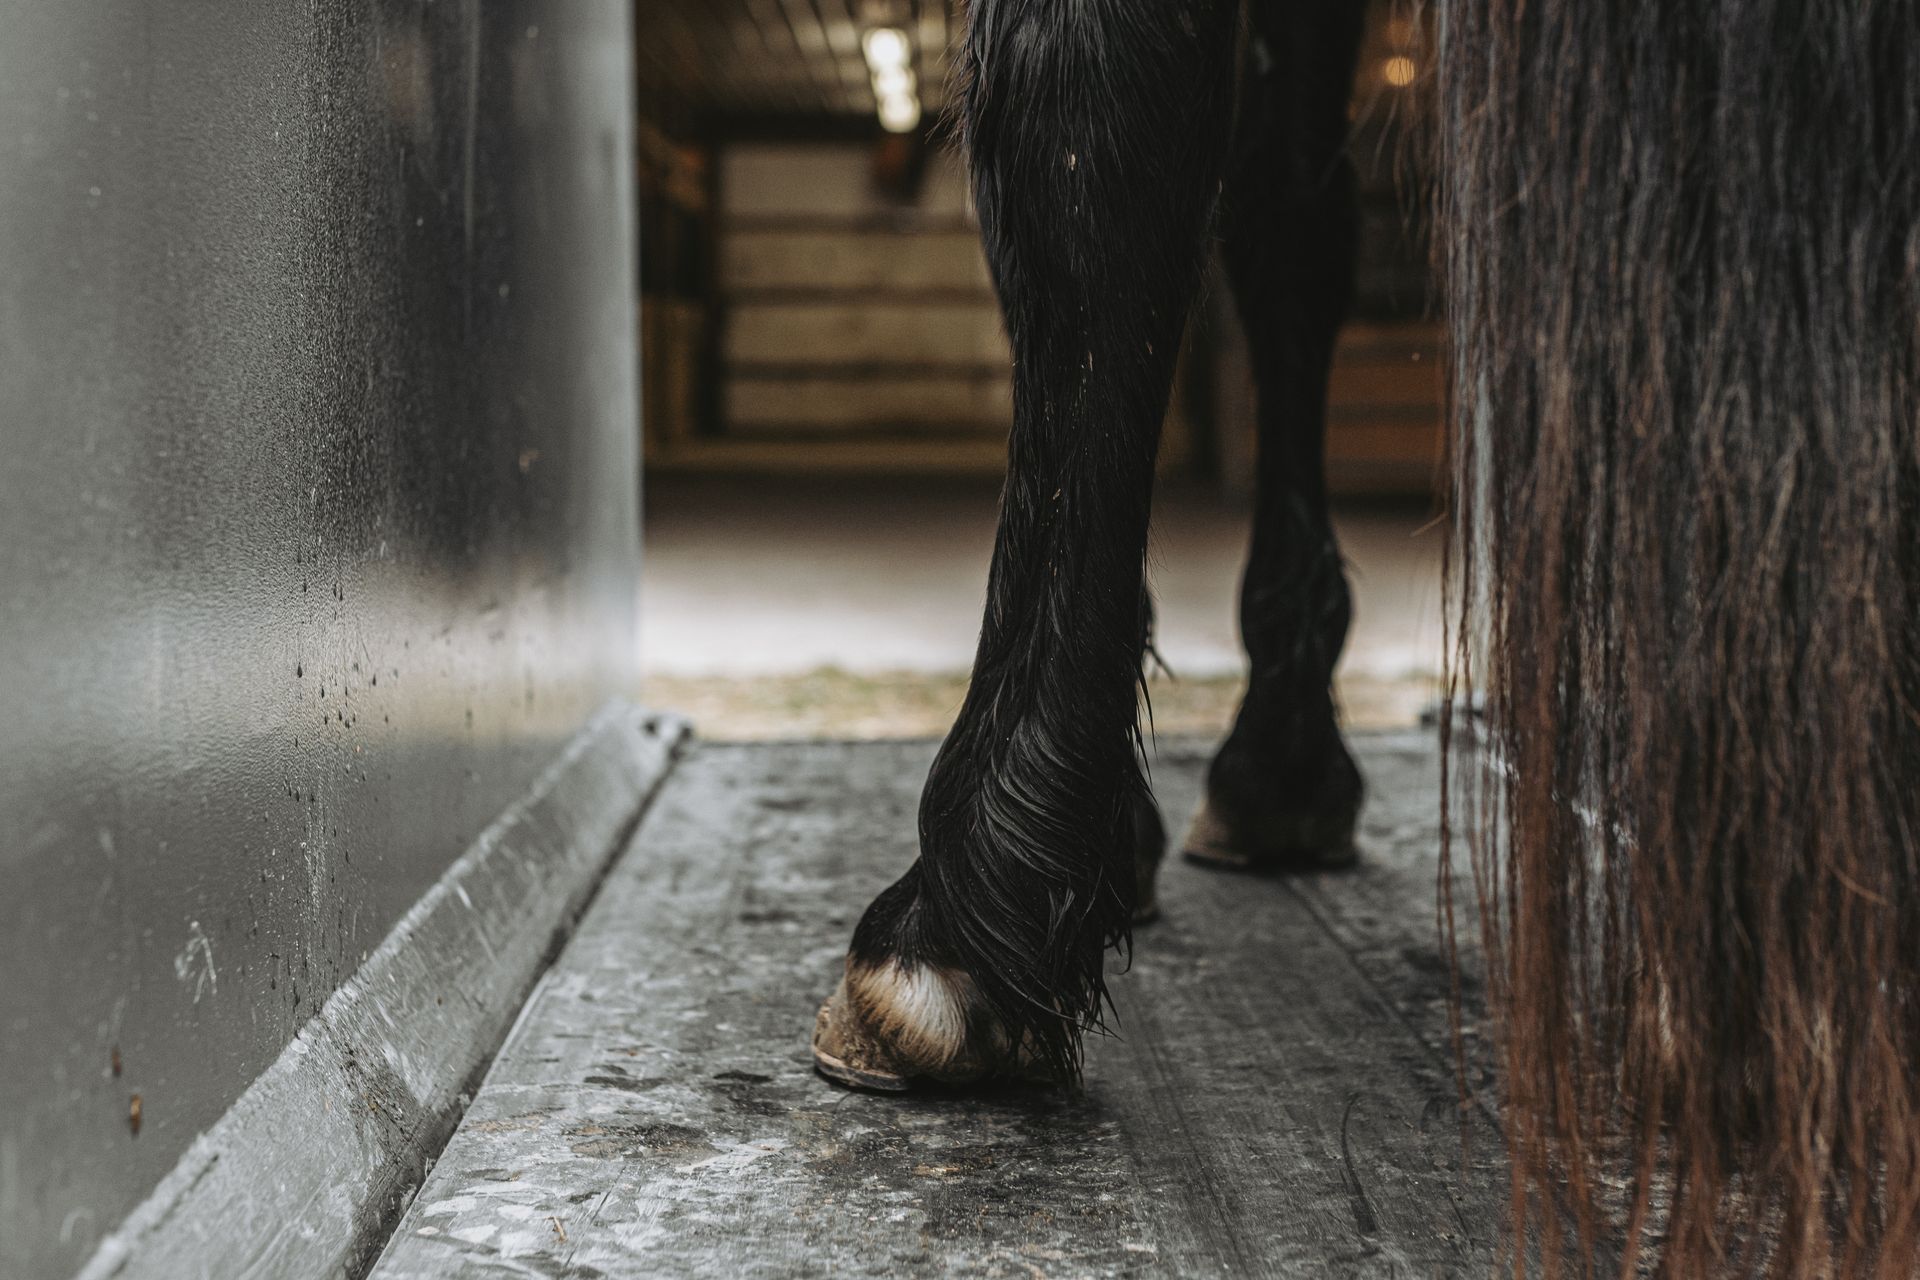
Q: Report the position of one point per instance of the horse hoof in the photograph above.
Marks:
(892, 1027)
(1305, 842)
(845, 1054)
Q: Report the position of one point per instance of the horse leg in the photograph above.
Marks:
(1098, 134)
(1283, 790)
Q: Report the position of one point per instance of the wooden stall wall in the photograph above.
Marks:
(816, 299)
(676, 280)
(855, 326)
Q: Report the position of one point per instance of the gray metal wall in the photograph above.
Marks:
(317, 521)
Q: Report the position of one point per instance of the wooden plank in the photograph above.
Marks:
(840, 333)
(1271, 1108)
(843, 37)
(828, 180)
(822, 405)
(671, 335)
(933, 52)
(1373, 479)
(855, 261)
(1413, 440)
(1423, 339)
(809, 42)
(870, 455)
(1386, 384)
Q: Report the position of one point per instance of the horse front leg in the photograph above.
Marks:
(1097, 137)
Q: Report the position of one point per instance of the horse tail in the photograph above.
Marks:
(1681, 243)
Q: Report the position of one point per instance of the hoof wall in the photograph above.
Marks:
(1307, 843)
(854, 1078)
(847, 1050)
(844, 1053)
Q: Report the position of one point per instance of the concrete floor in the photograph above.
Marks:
(750, 580)
(1280, 1099)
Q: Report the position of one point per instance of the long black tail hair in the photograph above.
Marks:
(1682, 250)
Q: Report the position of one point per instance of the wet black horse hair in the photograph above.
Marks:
(1107, 167)
(1096, 238)
(1680, 247)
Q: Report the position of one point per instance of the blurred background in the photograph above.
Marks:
(826, 389)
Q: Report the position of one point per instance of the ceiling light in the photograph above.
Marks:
(887, 49)
(900, 113)
(895, 82)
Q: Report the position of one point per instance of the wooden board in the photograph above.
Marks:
(854, 260)
(809, 406)
(951, 335)
(1277, 1102)
(784, 183)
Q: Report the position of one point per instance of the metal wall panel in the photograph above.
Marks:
(318, 521)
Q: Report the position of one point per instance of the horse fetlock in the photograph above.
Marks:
(1264, 814)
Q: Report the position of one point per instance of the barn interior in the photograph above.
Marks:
(827, 393)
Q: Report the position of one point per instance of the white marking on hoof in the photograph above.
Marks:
(922, 1013)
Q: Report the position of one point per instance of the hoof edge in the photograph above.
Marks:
(1310, 842)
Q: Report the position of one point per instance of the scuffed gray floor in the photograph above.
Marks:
(1280, 1099)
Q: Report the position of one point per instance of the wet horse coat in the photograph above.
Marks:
(1682, 251)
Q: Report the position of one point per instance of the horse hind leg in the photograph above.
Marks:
(1283, 792)
(1098, 135)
